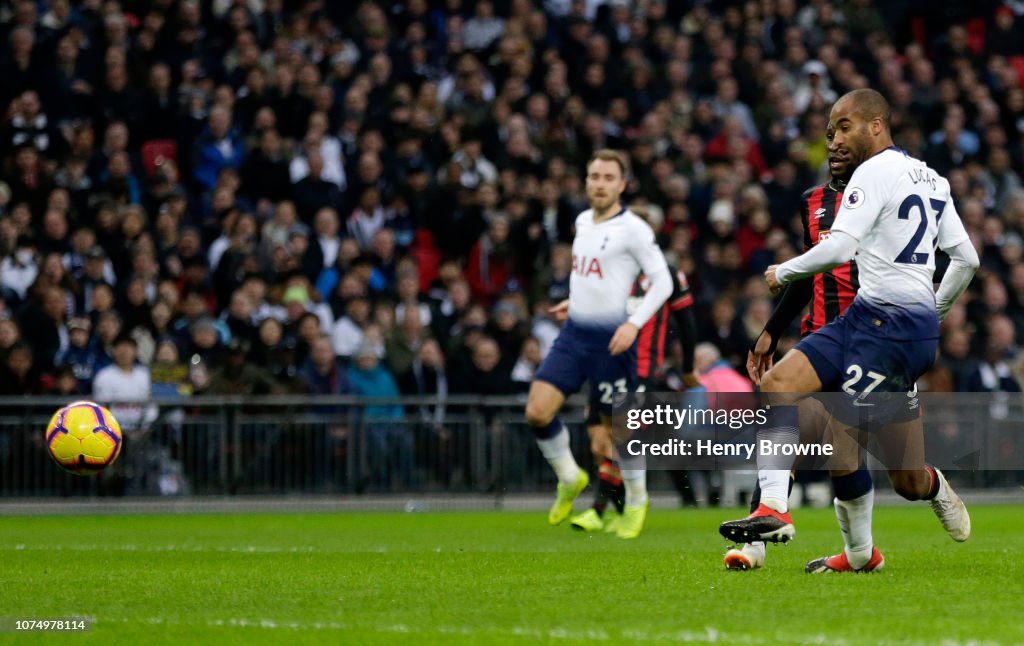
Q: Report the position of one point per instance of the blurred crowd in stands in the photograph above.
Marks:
(378, 197)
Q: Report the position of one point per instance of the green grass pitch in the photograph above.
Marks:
(503, 577)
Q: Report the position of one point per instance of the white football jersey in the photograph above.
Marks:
(899, 210)
(606, 259)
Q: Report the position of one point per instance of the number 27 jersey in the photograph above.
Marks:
(899, 210)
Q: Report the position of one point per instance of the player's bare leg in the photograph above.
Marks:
(903, 449)
(542, 406)
(784, 386)
(609, 487)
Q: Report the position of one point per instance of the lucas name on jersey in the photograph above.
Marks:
(923, 174)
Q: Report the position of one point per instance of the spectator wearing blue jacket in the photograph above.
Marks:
(371, 379)
(218, 147)
(389, 442)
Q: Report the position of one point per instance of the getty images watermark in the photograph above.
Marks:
(678, 419)
(828, 431)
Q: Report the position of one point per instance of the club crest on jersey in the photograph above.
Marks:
(583, 266)
(853, 198)
(824, 235)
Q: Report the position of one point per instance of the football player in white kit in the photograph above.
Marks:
(597, 343)
(895, 212)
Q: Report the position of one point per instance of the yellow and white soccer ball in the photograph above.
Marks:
(84, 438)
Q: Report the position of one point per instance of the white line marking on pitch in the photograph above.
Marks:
(709, 635)
(241, 549)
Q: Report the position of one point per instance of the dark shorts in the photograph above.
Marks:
(593, 413)
(874, 355)
(581, 354)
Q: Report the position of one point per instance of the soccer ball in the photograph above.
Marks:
(83, 438)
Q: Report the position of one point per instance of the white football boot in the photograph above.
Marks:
(748, 557)
(952, 511)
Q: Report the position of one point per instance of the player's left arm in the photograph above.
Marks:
(953, 239)
(863, 200)
(648, 255)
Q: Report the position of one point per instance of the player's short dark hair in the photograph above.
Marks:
(608, 154)
(869, 104)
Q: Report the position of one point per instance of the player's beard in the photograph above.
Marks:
(858, 147)
(604, 203)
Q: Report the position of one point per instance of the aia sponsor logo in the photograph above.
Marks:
(586, 267)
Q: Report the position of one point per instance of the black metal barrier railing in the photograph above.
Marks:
(292, 445)
(284, 445)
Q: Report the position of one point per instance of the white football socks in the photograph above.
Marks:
(755, 551)
(782, 427)
(558, 454)
(855, 524)
(635, 482)
(774, 488)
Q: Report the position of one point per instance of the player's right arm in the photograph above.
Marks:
(797, 294)
(795, 298)
(870, 188)
(560, 311)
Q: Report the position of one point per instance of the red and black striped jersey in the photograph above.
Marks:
(833, 290)
(652, 337)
